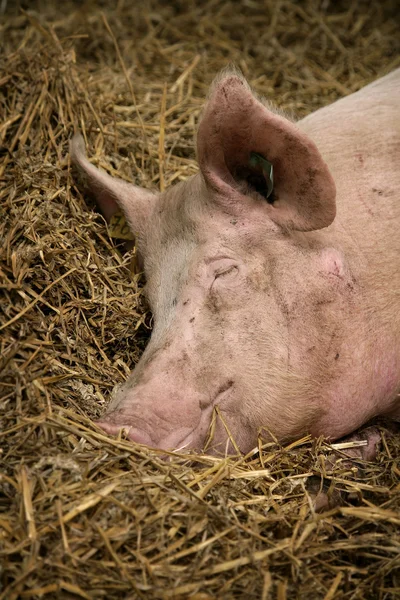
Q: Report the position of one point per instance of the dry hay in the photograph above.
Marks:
(86, 516)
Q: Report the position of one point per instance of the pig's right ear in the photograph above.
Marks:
(237, 142)
(111, 193)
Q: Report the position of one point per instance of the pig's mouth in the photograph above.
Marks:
(142, 430)
(196, 438)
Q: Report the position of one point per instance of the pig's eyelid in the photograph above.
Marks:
(225, 271)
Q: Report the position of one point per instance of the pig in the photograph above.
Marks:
(272, 275)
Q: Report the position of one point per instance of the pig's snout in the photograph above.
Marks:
(178, 439)
(134, 434)
(161, 416)
(158, 415)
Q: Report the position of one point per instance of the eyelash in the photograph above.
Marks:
(225, 272)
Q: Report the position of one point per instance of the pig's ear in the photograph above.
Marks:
(238, 139)
(113, 194)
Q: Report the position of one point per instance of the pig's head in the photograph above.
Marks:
(239, 292)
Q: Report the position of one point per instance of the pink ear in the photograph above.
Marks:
(235, 125)
(111, 193)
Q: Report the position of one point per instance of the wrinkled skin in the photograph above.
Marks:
(281, 313)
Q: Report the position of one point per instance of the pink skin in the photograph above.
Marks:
(281, 313)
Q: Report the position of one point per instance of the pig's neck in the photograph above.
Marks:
(366, 386)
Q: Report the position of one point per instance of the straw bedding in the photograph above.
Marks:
(86, 516)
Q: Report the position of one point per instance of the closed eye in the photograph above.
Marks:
(227, 271)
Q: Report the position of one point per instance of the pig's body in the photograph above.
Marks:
(268, 313)
(359, 138)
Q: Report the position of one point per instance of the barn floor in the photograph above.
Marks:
(86, 516)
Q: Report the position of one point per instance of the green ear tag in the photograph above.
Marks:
(119, 228)
(256, 160)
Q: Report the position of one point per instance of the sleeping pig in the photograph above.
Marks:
(272, 274)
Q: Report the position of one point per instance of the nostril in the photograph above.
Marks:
(135, 435)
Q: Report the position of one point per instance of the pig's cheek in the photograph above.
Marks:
(219, 302)
(214, 301)
(335, 281)
(332, 263)
(226, 293)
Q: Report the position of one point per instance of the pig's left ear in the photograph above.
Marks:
(237, 141)
(111, 193)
